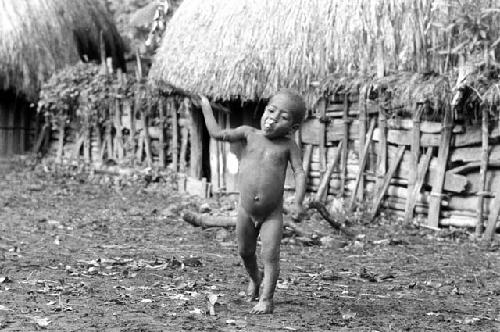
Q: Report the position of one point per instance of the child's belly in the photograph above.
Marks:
(261, 191)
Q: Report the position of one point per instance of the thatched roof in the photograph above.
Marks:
(38, 37)
(248, 48)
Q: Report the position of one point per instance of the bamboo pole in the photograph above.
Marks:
(386, 181)
(483, 171)
(411, 200)
(345, 145)
(161, 153)
(362, 164)
(325, 180)
(437, 185)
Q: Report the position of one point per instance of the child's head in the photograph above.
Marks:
(283, 114)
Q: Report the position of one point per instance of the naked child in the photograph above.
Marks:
(264, 160)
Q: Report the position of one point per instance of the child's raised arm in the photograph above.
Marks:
(231, 135)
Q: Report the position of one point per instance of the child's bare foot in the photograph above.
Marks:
(263, 307)
(253, 289)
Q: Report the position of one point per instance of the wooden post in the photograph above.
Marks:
(411, 200)
(139, 65)
(437, 185)
(23, 130)
(48, 134)
(362, 164)
(102, 49)
(161, 111)
(78, 145)
(382, 146)
(415, 148)
(133, 111)
(362, 135)
(325, 180)
(118, 129)
(214, 164)
(386, 181)
(306, 160)
(322, 135)
(109, 128)
(86, 139)
(483, 170)
(60, 143)
(489, 233)
(97, 130)
(196, 143)
(345, 144)
(175, 135)
(145, 133)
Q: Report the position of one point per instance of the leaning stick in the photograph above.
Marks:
(362, 164)
(320, 207)
(326, 177)
(386, 181)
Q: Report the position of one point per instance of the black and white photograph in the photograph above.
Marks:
(250, 165)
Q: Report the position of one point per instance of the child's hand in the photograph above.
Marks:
(204, 100)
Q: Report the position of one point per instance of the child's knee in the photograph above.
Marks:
(246, 252)
(271, 255)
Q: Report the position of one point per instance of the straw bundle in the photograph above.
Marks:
(249, 48)
(38, 37)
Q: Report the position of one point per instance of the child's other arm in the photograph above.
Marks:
(300, 176)
(215, 131)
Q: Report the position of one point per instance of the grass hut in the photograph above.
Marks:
(371, 71)
(37, 38)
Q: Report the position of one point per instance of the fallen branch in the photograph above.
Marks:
(321, 208)
(207, 221)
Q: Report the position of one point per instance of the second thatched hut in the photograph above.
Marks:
(38, 38)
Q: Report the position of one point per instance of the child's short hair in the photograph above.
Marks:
(292, 101)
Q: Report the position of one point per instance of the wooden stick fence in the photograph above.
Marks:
(429, 186)
(453, 183)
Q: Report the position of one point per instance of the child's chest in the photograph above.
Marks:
(265, 150)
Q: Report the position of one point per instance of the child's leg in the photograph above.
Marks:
(271, 232)
(247, 242)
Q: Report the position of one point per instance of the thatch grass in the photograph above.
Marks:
(39, 37)
(248, 48)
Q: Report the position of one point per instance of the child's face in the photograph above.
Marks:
(276, 121)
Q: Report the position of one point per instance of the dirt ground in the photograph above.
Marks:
(81, 252)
